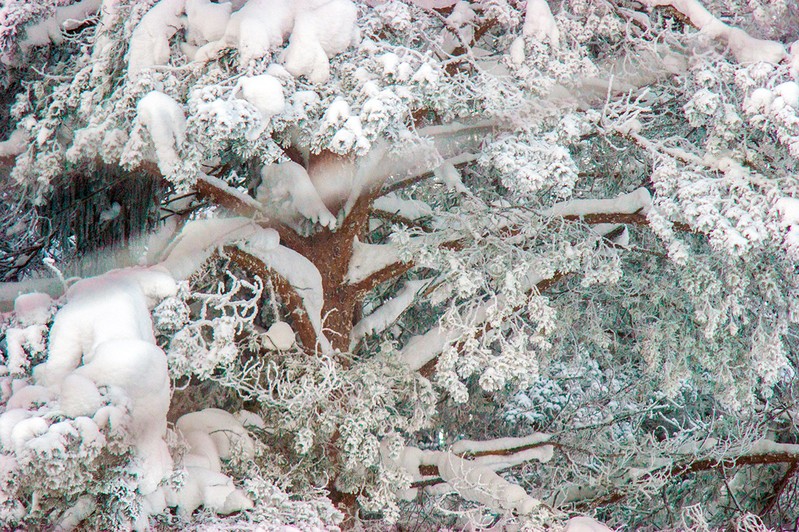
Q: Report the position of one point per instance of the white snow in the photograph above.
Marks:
(265, 93)
(15, 144)
(64, 18)
(368, 259)
(449, 176)
(788, 208)
(200, 238)
(499, 444)
(759, 101)
(99, 309)
(206, 21)
(289, 185)
(388, 312)
(211, 435)
(469, 478)
(139, 368)
(744, 47)
(165, 122)
(279, 337)
(407, 208)
(27, 397)
(149, 43)
(585, 524)
(789, 92)
(303, 277)
(637, 200)
(516, 51)
(322, 29)
(20, 342)
(765, 446)
(539, 23)
(242, 197)
(259, 27)
(79, 396)
(226, 432)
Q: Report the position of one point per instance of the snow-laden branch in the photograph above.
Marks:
(499, 446)
(539, 22)
(406, 208)
(636, 201)
(423, 349)
(289, 185)
(223, 194)
(199, 239)
(388, 312)
(367, 259)
(302, 277)
(471, 479)
(64, 18)
(260, 254)
(745, 48)
(476, 478)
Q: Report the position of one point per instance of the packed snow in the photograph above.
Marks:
(540, 24)
(288, 187)
(103, 369)
(279, 337)
(316, 30)
(744, 47)
(164, 120)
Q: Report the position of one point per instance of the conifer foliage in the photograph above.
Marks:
(337, 264)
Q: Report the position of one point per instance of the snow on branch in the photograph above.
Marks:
(367, 259)
(316, 32)
(297, 280)
(223, 194)
(64, 18)
(388, 312)
(636, 201)
(745, 48)
(539, 22)
(499, 446)
(198, 240)
(477, 479)
(406, 208)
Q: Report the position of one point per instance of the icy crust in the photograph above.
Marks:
(104, 374)
(316, 29)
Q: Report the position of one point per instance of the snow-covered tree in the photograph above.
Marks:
(327, 264)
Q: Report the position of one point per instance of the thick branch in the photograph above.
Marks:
(291, 299)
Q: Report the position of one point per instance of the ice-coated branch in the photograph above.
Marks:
(745, 48)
